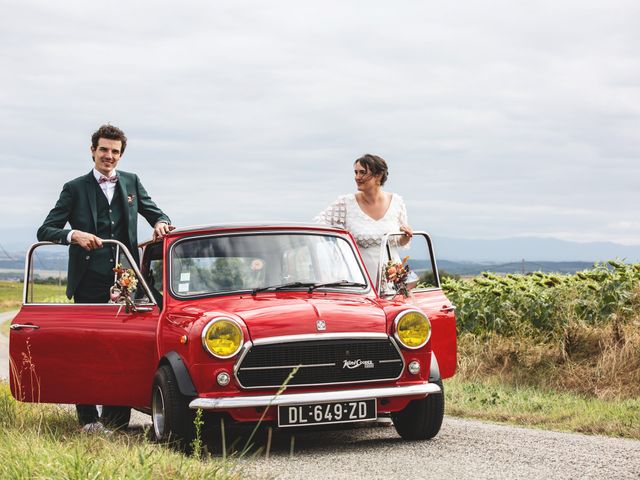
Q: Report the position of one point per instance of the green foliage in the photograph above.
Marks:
(196, 444)
(228, 273)
(427, 279)
(52, 281)
(543, 304)
(11, 294)
(217, 274)
(40, 441)
(542, 408)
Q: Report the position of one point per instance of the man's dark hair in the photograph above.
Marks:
(111, 133)
(375, 165)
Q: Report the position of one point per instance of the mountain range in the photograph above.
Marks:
(505, 250)
(531, 249)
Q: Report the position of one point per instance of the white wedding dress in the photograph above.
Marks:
(346, 213)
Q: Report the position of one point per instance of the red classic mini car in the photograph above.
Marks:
(250, 322)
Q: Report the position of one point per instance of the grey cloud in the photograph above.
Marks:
(497, 119)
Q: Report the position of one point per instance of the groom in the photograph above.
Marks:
(103, 204)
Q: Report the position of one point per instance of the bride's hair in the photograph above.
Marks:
(375, 165)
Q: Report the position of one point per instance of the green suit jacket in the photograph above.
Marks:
(77, 207)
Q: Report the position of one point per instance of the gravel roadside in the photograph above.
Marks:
(4, 345)
(462, 449)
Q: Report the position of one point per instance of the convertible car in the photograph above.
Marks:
(272, 323)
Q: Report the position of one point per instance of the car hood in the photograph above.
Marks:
(269, 315)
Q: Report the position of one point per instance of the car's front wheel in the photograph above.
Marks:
(170, 413)
(421, 419)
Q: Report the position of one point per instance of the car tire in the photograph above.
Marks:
(170, 413)
(116, 418)
(421, 419)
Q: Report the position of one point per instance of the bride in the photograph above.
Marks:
(369, 213)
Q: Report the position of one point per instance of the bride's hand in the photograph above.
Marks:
(408, 233)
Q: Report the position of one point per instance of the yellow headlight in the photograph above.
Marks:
(222, 337)
(412, 329)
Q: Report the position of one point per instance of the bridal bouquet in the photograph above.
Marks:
(397, 273)
(125, 285)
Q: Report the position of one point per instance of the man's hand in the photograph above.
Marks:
(408, 233)
(161, 229)
(88, 241)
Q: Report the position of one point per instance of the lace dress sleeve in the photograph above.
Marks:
(402, 213)
(335, 214)
(402, 219)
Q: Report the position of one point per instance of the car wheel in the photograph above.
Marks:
(421, 419)
(116, 417)
(170, 413)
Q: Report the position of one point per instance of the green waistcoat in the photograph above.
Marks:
(78, 207)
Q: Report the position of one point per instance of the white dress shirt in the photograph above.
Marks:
(108, 189)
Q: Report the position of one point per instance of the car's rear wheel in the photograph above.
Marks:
(170, 413)
(116, 417)
(421, 419)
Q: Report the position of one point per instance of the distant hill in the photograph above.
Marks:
(531, 249)
(456, 255)
(473, 268)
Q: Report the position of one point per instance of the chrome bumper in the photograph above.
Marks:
(313, 397)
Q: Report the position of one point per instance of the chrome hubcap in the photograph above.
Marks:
(157, 412)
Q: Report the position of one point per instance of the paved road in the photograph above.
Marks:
(463, 449)
(4, 346)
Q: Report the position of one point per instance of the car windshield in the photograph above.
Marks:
(230, 263)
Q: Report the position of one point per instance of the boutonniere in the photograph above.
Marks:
(130, 199)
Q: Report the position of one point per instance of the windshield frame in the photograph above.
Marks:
(344, 237)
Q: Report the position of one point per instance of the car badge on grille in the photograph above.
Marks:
(321, 325)
(351, 364)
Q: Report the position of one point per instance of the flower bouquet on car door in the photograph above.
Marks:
(397, 274)
(124, 286)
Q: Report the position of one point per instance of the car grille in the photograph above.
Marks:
(322, 362)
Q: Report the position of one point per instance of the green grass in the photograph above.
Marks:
(536, 407)
(10, 296)
(43, 441)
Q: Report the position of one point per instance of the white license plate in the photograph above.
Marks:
(321, 413)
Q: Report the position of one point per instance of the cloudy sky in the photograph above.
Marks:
(497, 118)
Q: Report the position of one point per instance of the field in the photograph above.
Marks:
(536, 347)
(11, 294)
(11, 297)
(540, 407)
(578, 333)
(44, 441)
(555, 351)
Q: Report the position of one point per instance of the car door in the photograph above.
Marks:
(62, 352)
(426, 294)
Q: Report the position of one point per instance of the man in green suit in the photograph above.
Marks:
(103, 204)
